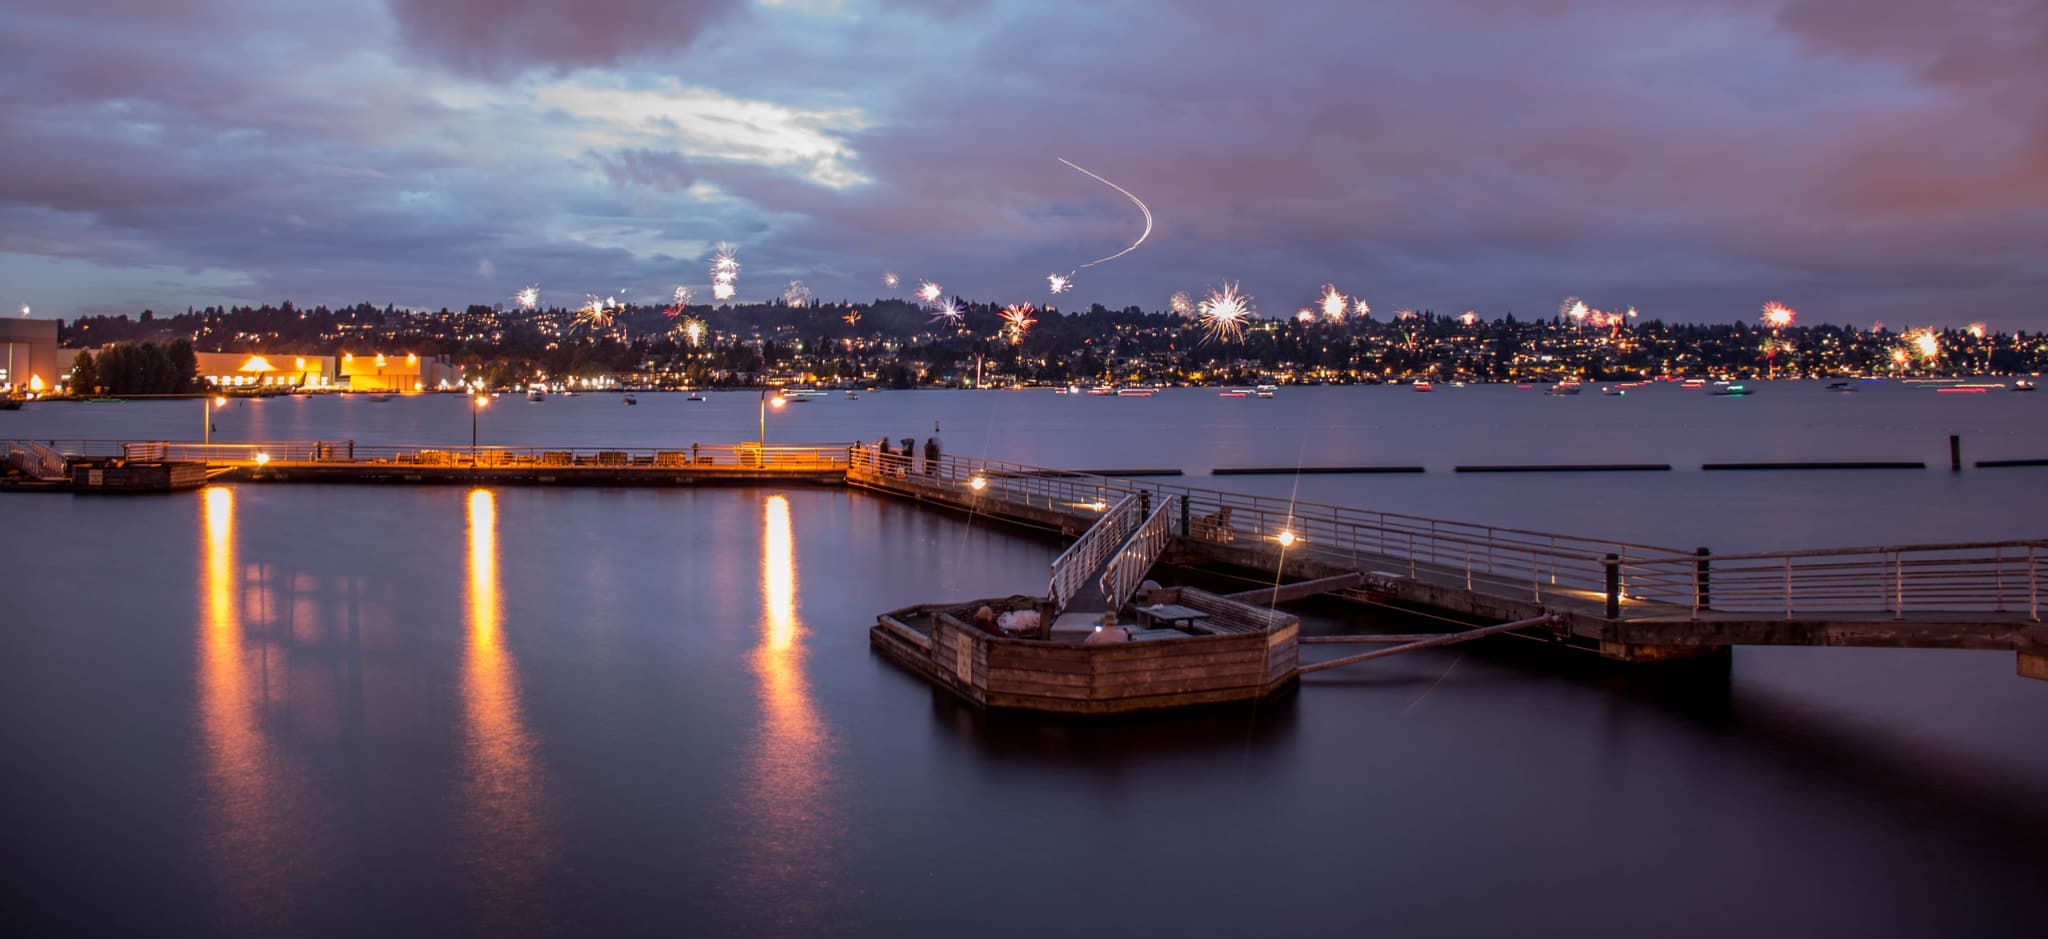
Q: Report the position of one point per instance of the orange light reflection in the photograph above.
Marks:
(500, 780)
(243, 832)
(788, 784)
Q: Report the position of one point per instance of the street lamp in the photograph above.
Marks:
(475, 404)
(766, 401)
(206, 429)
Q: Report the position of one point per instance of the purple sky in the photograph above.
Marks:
(1861, 160)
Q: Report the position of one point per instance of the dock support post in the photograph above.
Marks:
(1184, 517)
(1955, 453)
(1702, 582)
(1613, 565)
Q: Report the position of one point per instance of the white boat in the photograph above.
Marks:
(536, 395)
(1264, 391)
(2023, 385)
(1563, 388)
(1136, 392)
(694, 397)
(852, 395)
(802, 394)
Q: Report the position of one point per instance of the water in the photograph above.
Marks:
(374, 710)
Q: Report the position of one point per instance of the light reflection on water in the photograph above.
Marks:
(785, 793)
(502, 838)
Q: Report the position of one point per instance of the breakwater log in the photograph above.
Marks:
(1568, 468)
(1819, 465)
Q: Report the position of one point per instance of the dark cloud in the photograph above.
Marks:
(668, 172)
(504, 37)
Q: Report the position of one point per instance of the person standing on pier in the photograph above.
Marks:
(931, 456)
(909, 456)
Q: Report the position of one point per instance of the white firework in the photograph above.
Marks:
(1060, 283)
(1181, 304)
(796, 294)
(930, 292)
(1334, 304)
(1224, 312)
(890, 280)
(528, 297)
(1359, 308)
(722, 291)
(948, 312)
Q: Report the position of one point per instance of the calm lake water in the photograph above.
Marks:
(312, 711)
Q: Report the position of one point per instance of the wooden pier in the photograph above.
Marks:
(1625, 602)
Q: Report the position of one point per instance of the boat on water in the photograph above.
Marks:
(536, 395)
(852, 395)
(694, 397)
(1424, 386)
(1728, 390)
(1265, 391)
(1563, 388)
(1233, 393)
(2023, 385)
(380, 399)
(630, 399)
(1136, 392)
(10, 403)
(1842, 386)
(1614, 391)
(802, 394)
(1103, 390)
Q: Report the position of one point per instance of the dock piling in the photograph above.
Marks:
(1955, 453)
(1613, 565)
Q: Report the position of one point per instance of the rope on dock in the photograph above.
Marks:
(1548, 619)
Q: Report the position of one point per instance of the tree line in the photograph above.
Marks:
(137, 368)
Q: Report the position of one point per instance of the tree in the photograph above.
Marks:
(85, 375)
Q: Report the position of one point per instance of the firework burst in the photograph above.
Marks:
(1181, 304)
(528, 297)
(890, 280)
(1468, 318)
(725, 272)
(852, 317)
(1359, 308)
(1018, 318)
(1925, 343)
(1405, 314)
(948, 312)
(1224, 313)
(1305, 315)
(1978, 330)
(1574, 309)
(1060, 283)
(1334, 304)
(930, 292)
(597, 312)
(692, 330)
(682, 298)
(796, 294)
(1778, 315)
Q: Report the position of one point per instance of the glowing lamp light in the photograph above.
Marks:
(411, 359)
(299, 363)
(482, 400)
(262, 459)
(1286, 538)
(777, 401)
(978, 483)
(220, 401)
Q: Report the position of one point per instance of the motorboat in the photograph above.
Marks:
(1103, 390)
(1424, 386)
(630, 399)
(1265, 391)
(1613, 391)
(536, 394)
(1136, 392)
(1233, 393)
(694, 397)
(1563, 388)
(380, 399)
(1730, 390)
(852, 395)
(2023, 385)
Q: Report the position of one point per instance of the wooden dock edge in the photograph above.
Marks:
(2033, 654)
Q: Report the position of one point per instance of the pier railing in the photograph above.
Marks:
(818, 457)
(1629, 580)
(1127, 569)
(1070, 571)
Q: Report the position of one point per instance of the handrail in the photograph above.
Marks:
(1127, 569)
(1071, 569)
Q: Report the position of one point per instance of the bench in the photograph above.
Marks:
(671, 458)
(555, 458)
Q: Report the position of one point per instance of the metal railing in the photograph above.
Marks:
(747, 456)
(1635, 580)
(1070, 571)
(1127, 569)
(1980, 577)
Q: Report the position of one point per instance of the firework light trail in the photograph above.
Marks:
(528, 298)
(1334, 304)
(1140, 203)
(930, 292)
(1060, 283)
(948, 312)
(1224, 313)
(1778, 315)
(1018, 319)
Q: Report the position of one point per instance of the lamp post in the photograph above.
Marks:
(206, 429)
(476, 404)
(765, 402)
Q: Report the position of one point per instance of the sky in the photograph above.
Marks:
(1864, 161)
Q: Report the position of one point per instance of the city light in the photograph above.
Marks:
(1286, 538)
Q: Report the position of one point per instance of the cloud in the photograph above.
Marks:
(504, 37)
